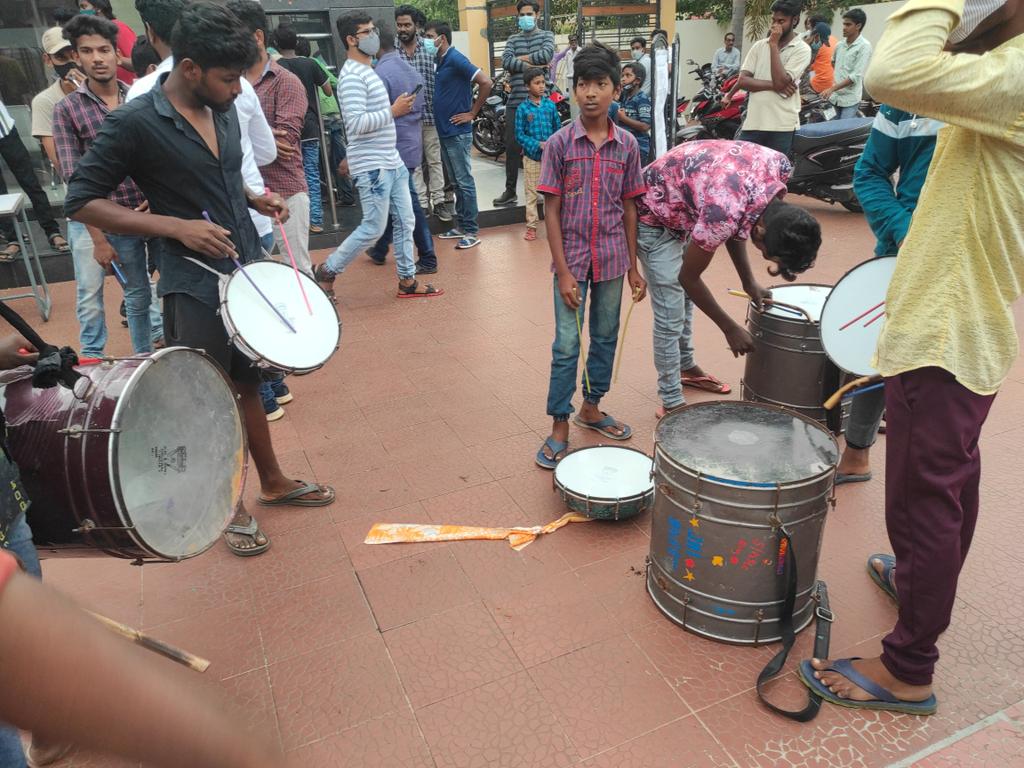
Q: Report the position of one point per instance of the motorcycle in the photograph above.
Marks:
(824, 155)
(715, 121)
(489, 125)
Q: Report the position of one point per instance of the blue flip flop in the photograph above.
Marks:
(601, 427)
(884, 579)
(556, 447)
(884, 699)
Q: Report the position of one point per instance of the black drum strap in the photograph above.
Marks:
(55, 366)
(786, 557)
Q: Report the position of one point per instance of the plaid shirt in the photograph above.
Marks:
(283, 98)
(76, 121)
(536, 123)
(423, 63)
(592, 184)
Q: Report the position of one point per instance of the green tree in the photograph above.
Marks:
(437, 10)
(756, 12)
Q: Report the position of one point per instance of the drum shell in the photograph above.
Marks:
(737, 599)
(789, 368)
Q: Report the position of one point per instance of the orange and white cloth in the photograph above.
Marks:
(518, 537)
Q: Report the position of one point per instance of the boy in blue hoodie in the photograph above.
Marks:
(904, 142)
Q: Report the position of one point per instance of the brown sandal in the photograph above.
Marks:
(10, 252)
(325, 280)
(413, 292)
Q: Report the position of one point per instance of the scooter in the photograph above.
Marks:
(824, 156)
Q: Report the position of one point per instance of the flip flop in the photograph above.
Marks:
(843, 478)
(601, 427)
(706, 383)
(884, 699)
(884, 579)
(294, 498)
(556, 447)
(246, 530)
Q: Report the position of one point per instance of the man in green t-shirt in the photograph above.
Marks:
(333, 125)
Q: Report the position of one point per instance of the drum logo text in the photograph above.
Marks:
(675, 530)
(780, 563)
(170, 458)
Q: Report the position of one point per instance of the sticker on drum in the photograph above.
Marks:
(810, 298)
(852, 319)
(605, 481)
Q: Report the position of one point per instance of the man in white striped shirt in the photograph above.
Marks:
(373, 160)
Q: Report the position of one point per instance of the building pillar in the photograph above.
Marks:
(473, 19)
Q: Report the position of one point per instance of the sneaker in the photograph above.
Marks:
(444, 211)
(379, 262)
(422, 270)
(507, 198)
(282, 394)
(469, 241)
(271, 407)
(531, 234)
(275, 415)
(453, 234)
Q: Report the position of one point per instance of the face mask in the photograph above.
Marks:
(975, 12)
(370, 44)
(90, 12)
(430, 46)
(637, 55)
(63, 69)
(527, 23)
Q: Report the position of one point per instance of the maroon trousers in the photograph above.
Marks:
(932, 473)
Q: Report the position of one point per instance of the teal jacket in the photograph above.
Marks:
(903, 142)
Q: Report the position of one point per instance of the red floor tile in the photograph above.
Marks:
(300, 556)
(353, 532)
(392, 741)
(684, 743)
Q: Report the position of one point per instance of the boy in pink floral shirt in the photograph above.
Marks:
(701, 195)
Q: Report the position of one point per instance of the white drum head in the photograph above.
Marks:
(180, 455)
(262, 331)
(810, 298)
(850, 343)
(605, 472)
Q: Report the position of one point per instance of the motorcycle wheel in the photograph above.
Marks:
(486, 141)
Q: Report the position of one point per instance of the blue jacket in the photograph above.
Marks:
(899, 141)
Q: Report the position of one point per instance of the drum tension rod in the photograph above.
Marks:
(88, 526)
(757, 627)
(76, 431)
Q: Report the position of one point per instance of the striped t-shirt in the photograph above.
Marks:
(369, 124)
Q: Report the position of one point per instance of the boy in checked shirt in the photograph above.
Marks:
(590, 177)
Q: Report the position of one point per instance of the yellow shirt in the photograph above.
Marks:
(962, 264)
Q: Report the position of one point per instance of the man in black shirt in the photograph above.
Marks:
(181, 144)
(312, 77)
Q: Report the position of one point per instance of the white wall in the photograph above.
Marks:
(460, 40)
(700, 38)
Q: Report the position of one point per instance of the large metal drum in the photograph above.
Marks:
(789, 366)
(145, 459)
(727, 476)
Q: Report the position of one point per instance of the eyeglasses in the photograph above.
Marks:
(369, 31)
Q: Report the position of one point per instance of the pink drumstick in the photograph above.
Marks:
(287, 247)
(862, 315)
(879, 316)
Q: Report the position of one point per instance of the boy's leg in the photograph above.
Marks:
(531, 176)
(565, 354)
(605, 306)
(661, 256)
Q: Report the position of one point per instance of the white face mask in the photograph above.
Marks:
(975, 12)
(637, 55)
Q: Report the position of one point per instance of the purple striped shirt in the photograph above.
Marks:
(592, 184)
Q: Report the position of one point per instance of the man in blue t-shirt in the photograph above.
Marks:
(454, 112)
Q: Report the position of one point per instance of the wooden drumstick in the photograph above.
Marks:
(152, 644)
(785, 307)
(833, 401)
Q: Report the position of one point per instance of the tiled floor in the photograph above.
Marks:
(472, 655)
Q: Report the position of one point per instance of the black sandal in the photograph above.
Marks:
(65, 248)
(412, 292)
(6, 252)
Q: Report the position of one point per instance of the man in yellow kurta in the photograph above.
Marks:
(949, 338)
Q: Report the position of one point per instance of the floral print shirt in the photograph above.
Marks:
(712, 191)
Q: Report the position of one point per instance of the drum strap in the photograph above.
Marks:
(55, 366)
(786, 558)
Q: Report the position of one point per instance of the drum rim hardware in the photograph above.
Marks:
(643, 500)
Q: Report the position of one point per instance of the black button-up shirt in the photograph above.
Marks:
(148, 140)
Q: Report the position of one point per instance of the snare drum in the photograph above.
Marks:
(789, 366)
(605, 482)
(146, 459)
(727, 476)
(259, 333)
(853, 315)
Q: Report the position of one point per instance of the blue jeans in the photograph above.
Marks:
(845, 113)
(267, 241)
(661, 255)
(421, 234)
(311, 165)
(780, 141)
(455, 154)
(19, 542)
(144, 322)
(380, 191)
(605, 302)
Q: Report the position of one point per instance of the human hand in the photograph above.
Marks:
(789, 90)
(827, 93)
(462, 118)
(272, 205)
(11, 354)
(143, 208)
(637, 284)
(775, 35)
(757, 294)
(284, 148)
(343, 167)
(103, 253)
(76, 77)
(569, 290)
(739, 340)
(403, 105)
(206, 238)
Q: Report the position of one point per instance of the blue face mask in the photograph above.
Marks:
(429, 46)
(527, 23)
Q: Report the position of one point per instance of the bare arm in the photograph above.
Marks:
(485, 84)
(781, 79)
(50, 148)
(568, 288)
(123, 700)
(695, 261)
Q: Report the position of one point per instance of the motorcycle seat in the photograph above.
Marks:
(832, 131)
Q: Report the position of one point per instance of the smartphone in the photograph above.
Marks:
(417, 89)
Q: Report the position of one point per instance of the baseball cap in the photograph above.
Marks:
(53, 40)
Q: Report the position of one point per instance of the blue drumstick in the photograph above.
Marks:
(862, 390)
(253, 284)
